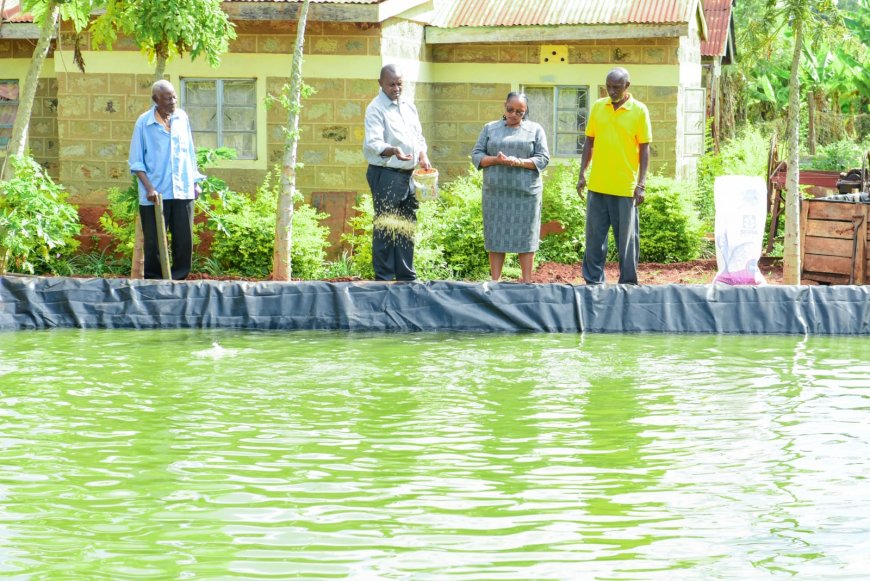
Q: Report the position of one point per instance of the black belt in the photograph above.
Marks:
(395, 169)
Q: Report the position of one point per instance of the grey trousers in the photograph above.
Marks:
(394, 221)
(604, 211)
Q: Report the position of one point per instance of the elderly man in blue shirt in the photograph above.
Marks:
(393, 146)
(163, 159)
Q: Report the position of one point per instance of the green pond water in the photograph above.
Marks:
(230, 455)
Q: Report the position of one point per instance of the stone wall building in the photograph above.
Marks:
(460, 58)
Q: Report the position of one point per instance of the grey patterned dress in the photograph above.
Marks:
(512, 195)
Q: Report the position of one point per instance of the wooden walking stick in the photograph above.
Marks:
(162, 246)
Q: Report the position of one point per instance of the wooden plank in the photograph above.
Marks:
(860, 271)
(821, 210)
(827, 246)
(162, 245)
(286, 11)
(823, 278)
(825, 229)
(515, 34)
(821, 178)
(828, 264)
(804, 209)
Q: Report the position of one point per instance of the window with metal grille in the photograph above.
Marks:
(562, 112)
(223, 113)
(8, 108)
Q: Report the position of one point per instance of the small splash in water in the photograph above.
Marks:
(216, 352)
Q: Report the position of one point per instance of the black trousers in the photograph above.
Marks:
(178, 217)
(394, 223)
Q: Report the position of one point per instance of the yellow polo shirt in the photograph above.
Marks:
(616, 152)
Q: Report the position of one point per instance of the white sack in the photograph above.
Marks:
(741, 210)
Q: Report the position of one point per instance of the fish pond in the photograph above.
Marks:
(323, 455)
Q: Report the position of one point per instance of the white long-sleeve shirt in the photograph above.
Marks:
(392, 124)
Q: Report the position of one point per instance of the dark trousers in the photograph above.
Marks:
(394, 223)
(603, 212)
(178, 217)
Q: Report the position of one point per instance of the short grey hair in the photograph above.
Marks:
(161, 85)
(619, 73)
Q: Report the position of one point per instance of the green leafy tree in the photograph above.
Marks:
(811, 22)
(47, 14)
(164, 30)
(35, 217)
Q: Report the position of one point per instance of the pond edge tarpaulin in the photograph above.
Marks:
(97, 303)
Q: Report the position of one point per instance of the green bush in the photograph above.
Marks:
(670, 229)
(359, 238)
(561, 203)
(840, 156)
(35, 218)
(745, 154)
(119, 220)
(458, 227)
(448, 240)
(245, 233)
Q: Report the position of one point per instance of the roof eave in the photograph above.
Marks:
(19, 30)
(289, 11)
(542, 33)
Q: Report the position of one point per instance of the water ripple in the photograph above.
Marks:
(225, 455)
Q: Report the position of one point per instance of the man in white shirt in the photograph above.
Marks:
(394, 145)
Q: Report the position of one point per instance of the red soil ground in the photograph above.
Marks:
(694, 272)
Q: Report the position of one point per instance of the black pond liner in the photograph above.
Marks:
(96, 303)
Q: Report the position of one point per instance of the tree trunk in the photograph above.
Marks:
(137, 268)
(791, 252)
(28, 92)
(281, 267)
(160, 68)
(811, 122)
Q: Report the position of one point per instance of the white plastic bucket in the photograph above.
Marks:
(426, 183)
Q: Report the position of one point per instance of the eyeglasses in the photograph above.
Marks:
(511, 111)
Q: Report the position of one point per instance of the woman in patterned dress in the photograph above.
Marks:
(512, 152)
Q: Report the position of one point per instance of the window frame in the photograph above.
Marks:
(219, 104)
(554, 129)
(4, 141)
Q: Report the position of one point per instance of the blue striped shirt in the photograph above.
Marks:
(167, 158)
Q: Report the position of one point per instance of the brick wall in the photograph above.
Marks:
(321, 38)
(42, 132)
(453, 115)
(654, 51)
(662, 105)
(662, 100)
(97, 112)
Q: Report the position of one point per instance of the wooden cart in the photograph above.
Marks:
(835, 242)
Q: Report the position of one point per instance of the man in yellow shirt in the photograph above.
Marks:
(617, 143)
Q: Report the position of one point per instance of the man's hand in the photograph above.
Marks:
(581, 186)
(639, 195)
(152, 196)
(197, 191)
(424, 161)
(397, 151)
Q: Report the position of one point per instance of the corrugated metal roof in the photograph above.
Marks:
(457, 13)
(12, 13)
(717, 13)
